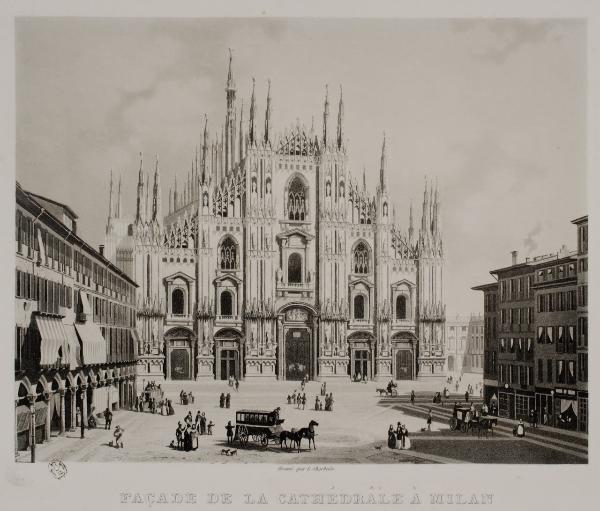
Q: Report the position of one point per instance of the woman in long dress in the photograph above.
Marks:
(391, 438)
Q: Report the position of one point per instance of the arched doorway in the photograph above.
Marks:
(297, 353)
(404, 365)
(179, 344)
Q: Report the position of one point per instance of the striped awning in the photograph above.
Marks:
(74, 346)
(92, 343)
(54, 347)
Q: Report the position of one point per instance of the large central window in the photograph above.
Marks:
(295, 269)
(401, 307)
(228, 255)
(296, 200)
(361, 258)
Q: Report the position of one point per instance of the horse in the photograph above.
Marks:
(284, 436)
(309, 433)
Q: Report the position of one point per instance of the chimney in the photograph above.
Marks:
(101, 250)
(514, 253)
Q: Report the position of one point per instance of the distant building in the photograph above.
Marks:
(473, 361)
(535, 337)
(582, 321)
(75, 317)
(457, 329)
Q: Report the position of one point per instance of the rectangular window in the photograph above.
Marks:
(582, 365)
(549, 376)
(560, 371)
(541, 334)
(550, 302)
(571, 372)
(540, 370)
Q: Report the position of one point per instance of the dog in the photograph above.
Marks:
(233, 452)
(225, 452)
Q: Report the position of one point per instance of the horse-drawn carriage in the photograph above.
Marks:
(466, 421)
(259, 425)
(390, 391)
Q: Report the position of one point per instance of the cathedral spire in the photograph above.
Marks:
(364, 179)
(139, 212)
(241, 133)
(118, 214)
(156, 195)
(110, 195)
(204, 148)
(411, 228)
(175, 195)
(382, 180)
(340, 140)
(251, 121)
(147, 198)
(425, 220)
(325, 115)
(268, 114)
(230, 120)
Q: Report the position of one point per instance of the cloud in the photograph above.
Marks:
(508, 36)
(531, 242)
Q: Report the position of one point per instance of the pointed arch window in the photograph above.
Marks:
(228, 255)
(296, 200)
(361, 259)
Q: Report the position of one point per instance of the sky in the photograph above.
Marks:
(495, 110)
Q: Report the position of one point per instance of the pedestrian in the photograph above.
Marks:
(466, 396)
(545, 422)
(412, 397)
(227, 400)
(137, 404)
(289, 399)
(118, 434)
(294, 397)
(188, 418)
(302, 386)
(519, 429)
(222, 400)
(317, 403)
(535, 418)
(229, 429)
(181, 397)
(331, 402)
(237, 385)
(107, 418)
(187, 439)
(78, 417)
(191, 397)
(202, 423)
(404, 443)
(429, 419)
(210, 427)
(391, 437)
(197, 419)
(170, 409)
(194, 430)
(303, 401)
(324, 388)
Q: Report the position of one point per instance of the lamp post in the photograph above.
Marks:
(31, 398)
(83, 397)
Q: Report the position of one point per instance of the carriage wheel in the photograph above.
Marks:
(264, 440)
(453, 423)
(243, 435)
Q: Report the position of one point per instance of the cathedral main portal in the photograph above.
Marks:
(297, 351)
(297, 354)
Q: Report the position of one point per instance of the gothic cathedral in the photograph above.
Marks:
(273, 262)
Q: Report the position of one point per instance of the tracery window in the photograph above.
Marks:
(296, 200)
(361, 259)
(228, 255)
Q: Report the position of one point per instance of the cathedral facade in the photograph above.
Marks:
(272, 262)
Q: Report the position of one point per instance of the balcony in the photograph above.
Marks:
(179, 318)
(228, 320)
(304, 289)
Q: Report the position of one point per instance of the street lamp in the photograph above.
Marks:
(31, 398)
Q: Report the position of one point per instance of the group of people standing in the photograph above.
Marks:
(189, 430)
(162, 407)
(297, 399)
(225, 400)
(234, 382)
(398, 438)
(186, 398)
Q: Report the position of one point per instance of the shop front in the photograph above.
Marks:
(565, 409)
